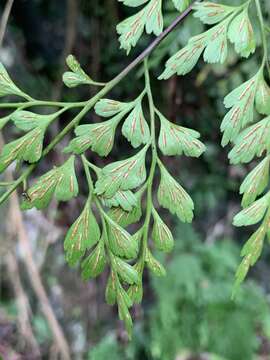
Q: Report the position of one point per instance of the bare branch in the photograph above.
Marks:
(4, 20)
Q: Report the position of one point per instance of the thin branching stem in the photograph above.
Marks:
(263, 34)
(149, 204)
(91, 103)
(42, 103)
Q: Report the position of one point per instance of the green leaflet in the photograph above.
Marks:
(82, 235)
(252, 214)
(72, 80)
(67, 185)
(120, 242)
(131, 29)
(181, 5)
(27, 120)
(122, 175)
(251, 252)
(126, 272)
(74, 64)
(125, 199)
(214, 44)
(76, 76)
(241, 34)
(7, 86)
(241, 102)
(241, 273)
(3, 121)
(28, 147)
(161, 234)
(255, 182)
(135, 291)
(262, 99)
(138, 235)
(217, 46)
(111, 289)
(242, 92)
(184, 60)
(95, 263)
(121, 293)
(126, 217)
(61, 180)
(108, 107)
(154, 18)
(213, 41)
(124, 302)
(99, 137)
(155, 266)
(173, 197)
(253, 247)
(176, 140)
(116, 293)
(212, 13)
(253, 141)
(135, 127)
(133, 3)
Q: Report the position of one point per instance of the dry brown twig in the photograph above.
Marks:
(23, 305)
(35, 279)
(4, 20)
(71, 22)
(19, 230)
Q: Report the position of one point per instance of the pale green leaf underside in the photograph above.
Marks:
(27, 148)
(95, 263)
(97, 137)
(252, 142)
(241, 34)
(211, 13)
(135, 127)
(60, 181)
(122, 175)
(131, 29)
(178, 140)
(83, 234)
(121, 243)
(214, 44)
(241, 101)
(262, 99)
(252, 214)
(161, 235)
(255, 182)
(7, 86)
(173, 197)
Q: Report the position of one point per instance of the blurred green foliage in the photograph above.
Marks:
(193, 311)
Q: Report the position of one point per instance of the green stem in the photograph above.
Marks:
(87, 173)
(263, 35)
(42, 103)
(91, 186)
(95, 168)
(149, 203)
(6, 183)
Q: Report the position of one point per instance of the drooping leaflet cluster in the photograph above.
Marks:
(100, 237)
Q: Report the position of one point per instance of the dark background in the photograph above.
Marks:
(189, 313)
